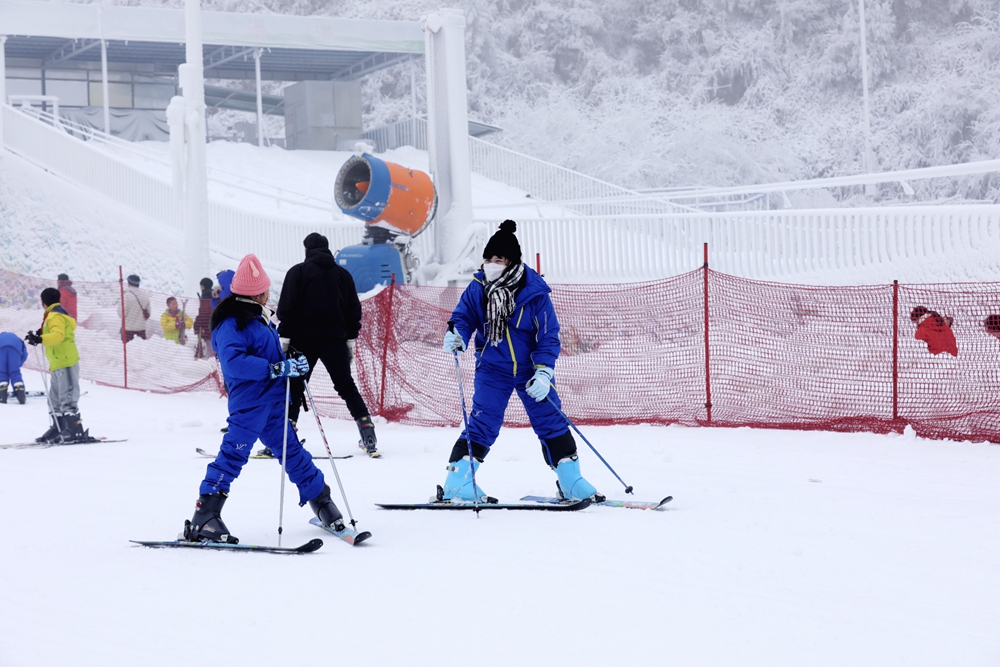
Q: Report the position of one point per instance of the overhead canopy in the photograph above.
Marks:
(295, 47)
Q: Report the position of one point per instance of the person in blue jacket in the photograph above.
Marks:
(222, 292)
(13, 354)
(256, 371)
(508, 309)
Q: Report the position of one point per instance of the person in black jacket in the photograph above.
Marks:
(320, 316)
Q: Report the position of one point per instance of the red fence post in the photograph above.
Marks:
(895, 350)
(385, 346)
(538, 263)
(708, 378)
(121, 289)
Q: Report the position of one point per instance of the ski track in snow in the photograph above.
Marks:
(780, 548)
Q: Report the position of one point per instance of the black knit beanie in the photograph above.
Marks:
(316, 241)
(504, 244)
(50, 295)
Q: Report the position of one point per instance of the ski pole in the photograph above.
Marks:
(465, 419)
(312, 405)
(45, 383)
(284, 451)
(628, 489)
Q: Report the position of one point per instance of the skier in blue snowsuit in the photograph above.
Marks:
(256, 371)
(507, 307)
(13, 354)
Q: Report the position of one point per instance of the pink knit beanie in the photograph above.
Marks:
(250, 278)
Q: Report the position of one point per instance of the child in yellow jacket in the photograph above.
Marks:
(175, 322)
(58, 335)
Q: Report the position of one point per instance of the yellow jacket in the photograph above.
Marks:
(169, 323)
(59, 338)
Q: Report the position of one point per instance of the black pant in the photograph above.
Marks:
(337, 359)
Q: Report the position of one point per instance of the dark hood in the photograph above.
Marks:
(321, 256)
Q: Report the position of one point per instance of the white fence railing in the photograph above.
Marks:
(232, 231)
(752, 244)
(58, 152)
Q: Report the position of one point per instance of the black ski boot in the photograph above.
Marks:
(368, 441)
(73, 428)
(264, 451)
(52, 435)
(3, 392)
(326, 511)
(19, 392)
(206, 525)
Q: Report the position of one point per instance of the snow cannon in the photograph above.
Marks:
(396, 204)
(386, 195)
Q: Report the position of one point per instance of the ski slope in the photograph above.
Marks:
(780, 548)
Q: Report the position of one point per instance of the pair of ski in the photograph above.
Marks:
(536, 503)
(40, 394)
(349, 535)
(89, 440)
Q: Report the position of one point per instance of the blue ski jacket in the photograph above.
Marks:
(246, 357)
(532, 337)
(14, 342)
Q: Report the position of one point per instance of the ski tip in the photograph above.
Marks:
(664, 502)
(310, 546)
(361, 537)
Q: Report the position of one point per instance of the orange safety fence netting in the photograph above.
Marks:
(779, 355)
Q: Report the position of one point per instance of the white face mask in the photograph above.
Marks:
(493, 271)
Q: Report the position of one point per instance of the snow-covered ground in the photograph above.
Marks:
(780, 548)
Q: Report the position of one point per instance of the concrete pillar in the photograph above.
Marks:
(448, 130)
(3, 84)
(413, 103)
(192, 78)
(104, 86)
(260, 103)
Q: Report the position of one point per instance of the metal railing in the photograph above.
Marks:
(541, 180)
(232, 231)
(752, 244)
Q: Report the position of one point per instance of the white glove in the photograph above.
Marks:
(350, 349)
(453, 342)
(284, 345)
(539, 384)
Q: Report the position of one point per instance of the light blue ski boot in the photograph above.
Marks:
(458, 484)
(571, 483)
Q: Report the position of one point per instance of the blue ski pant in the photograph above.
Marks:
(10, 365)
(493, 389)
(262, 422)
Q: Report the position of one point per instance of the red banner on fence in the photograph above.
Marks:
(771, 354)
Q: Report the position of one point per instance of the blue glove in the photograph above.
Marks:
(539, 384)
(301, 364)
(453, 342)
(292, 368)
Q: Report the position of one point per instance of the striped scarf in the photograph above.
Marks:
(500, 302)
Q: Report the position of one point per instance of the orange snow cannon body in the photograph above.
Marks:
(386, 195)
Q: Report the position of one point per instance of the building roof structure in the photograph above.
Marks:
(294, 48)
